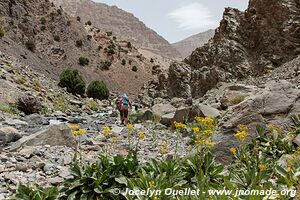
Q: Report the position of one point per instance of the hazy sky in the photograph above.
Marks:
(178, 19)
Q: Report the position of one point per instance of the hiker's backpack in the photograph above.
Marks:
(125, 102)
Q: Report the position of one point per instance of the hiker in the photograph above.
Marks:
(123, 107)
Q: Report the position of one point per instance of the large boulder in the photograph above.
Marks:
(235, 94)
(56, 135)
(9, 134)
(162, 109)
(274, 104)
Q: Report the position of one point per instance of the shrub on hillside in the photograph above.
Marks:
(97, 90)
(123, 62)
(43, 20)
(78, 18)
(30, 45)
(1, 32)
(56, 38)
(88, 23)
(73, 81)
(43, 28)
(134, 68)
(29, 104)
(109, 33)
(83, 61)
(78, 43)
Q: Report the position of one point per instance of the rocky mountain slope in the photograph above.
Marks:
(44, 36)
(188, 45)
(246, 44)
(122, 24)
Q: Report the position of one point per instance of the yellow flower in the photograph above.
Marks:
(114, 139)
(209, 143)
(106, 130)
(130, 127)
(179, 125)
(141, 135)
(93, 165)
(289, 169)
(208, 132)
(74, 127)
(241, 135)
(242, 127)
(155, 198)
(274, 128)
(196, 130)
(79, 132)
(152, 184)
(233, 150)
(206, 120)
(262, 167)
(164, 148)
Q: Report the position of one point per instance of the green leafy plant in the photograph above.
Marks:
(35, 193)
(97, 90)
(83, 61)
(9, 109)
(73, 81)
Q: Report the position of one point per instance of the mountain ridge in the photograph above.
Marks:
(122, 24)
(189, 44)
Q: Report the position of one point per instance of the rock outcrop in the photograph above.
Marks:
(246, 44)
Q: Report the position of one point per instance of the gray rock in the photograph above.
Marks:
(54, 135)
(162, 109)
(16, 122)
(167, 119)
(9, 134)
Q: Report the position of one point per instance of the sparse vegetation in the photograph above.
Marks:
(123, 62)
(56, 38)
(237, 99)
(30, 45)
(151, 60)
(59, 11)
(93, 105)
(68, 23)
(78, 18)
(109, 33)
(29, 104)
(134, 68)
(114, 38)
(97, 90)
(79, 43)
(89, 37)
(43, 28)
(130, 62)
(106, 64)
(83, 61)
(100, 47)
(36, 85)
(73, 81)
(1, 32)
(9, 109)
(60, 104)
(88, 23)
(129, 45)
(43, 20)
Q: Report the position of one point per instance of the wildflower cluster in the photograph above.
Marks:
(203, 130)
(106, 131)
(76, 130)
(273, 128)
(242, 132)
(179, 125)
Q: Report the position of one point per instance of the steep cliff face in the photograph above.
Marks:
(123, 24)
(246, 44)
(188, 45)
(57, 41)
